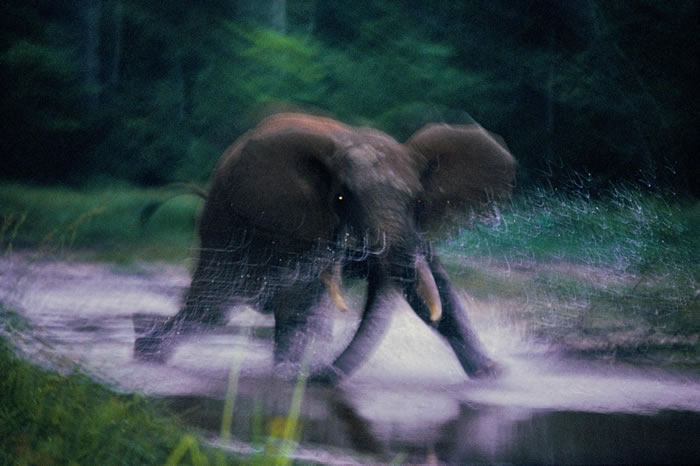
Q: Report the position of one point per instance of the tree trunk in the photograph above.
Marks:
(118, 17)
(91, 13)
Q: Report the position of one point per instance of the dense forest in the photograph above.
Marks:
(587, 93)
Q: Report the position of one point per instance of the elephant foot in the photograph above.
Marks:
(153, 343)
(329, 375)
(156, 349)
(157, 335)
(489, 369)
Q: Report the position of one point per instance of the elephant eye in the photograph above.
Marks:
(418, 209)
(340, 200)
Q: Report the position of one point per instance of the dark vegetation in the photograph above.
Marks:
(586, 93)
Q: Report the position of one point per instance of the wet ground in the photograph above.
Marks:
(411, 402)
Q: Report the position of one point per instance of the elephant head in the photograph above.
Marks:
(300, 200)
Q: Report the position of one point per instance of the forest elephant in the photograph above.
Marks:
(301, 200)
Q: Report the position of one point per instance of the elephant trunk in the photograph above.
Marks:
(373, 325)
(415, 279)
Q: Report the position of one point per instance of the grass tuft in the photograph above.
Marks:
(48, 418)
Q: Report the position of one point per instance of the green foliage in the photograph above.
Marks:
(47, 418)
(153, 92)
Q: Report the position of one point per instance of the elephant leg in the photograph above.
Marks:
(213, 283)
(204, 305)
(454, 325)
(299, 320)
(373, 326)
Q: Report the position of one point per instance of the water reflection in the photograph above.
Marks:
(338, 421)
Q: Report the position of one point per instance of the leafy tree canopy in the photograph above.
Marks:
(586, 93)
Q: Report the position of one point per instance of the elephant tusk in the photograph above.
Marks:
(331, 279)
(427, 289)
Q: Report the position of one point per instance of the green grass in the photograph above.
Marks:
(614, 275)
(101, 224)
(627, 231)
(66, 417)
(49, 418)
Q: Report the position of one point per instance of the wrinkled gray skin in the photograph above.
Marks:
(300, 200)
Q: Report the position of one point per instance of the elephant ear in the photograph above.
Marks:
(467, 167)
(279, 179)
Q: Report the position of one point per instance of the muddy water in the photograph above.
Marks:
(410, 402)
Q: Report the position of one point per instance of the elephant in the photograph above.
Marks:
(301, 201)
